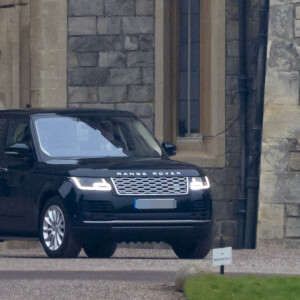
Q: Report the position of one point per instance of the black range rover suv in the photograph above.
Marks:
(91, 178)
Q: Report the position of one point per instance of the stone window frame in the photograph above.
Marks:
(208, 151)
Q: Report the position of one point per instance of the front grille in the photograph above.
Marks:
(148, 186)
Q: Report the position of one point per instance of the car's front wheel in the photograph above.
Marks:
(55, 233)
(192, 249)
(105, 249)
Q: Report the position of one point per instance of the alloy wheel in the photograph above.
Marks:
(53, 227)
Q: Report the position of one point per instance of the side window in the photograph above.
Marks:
(18, 134)
(3, 125)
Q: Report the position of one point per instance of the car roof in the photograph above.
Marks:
(66, 111)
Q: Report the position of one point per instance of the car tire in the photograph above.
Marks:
(195, 249)
(104, 249)
(55, 232)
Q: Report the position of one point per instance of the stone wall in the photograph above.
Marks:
(279, 196)
(111, 55)
(225, 181)
(10, 51)
(111, 65)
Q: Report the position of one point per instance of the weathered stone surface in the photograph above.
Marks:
(297, 28)
(112, 59)
(87, 59)
(141, 93)
(275, 156)
(131, 43)
(292, 210)
(148, 75)
(292, 228)
(88, 77)
(232, 112)
(233, 127)
(232, 10)
(295, 161)
(223, 210)
(140, 59)
(283, 2)
(279, 188)
(232, 48)
(294, 145)
(232, 99)
(144, 7)
(232, 83)
(133, 25)
(226, 175)
(82, 26)
(86, 7)
(93, 105)
(229, 228)
(90, 44)
(140, 109)
(118, 42)
(125, 76)
(281, 22)
(119, 7)
(232, 66)
(293, 188)
(282, 56)
(146, 42)
(109, 25)
(297, 12)
(82, 94)
(232, 30)
(281, 122)
(72, 60)
(112, 94)
(233, 160)
(273, 188)
(292, 243)
(270, 222)
(233, 145)
(282, 88)
(231, 192)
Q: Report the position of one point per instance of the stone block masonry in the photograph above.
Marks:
(111, 55)
(279, 201)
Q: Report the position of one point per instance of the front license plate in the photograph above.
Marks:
(155, 203)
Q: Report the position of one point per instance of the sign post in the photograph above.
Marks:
(222, 257)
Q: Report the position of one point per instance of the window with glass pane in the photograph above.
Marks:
(189, 68)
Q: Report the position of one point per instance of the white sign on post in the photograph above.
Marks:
(222, 256)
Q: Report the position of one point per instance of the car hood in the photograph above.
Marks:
(119, 167)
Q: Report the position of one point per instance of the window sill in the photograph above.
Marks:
(209, 153)
(200, 159)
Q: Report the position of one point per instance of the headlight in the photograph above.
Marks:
(199, 183)
(91, 184)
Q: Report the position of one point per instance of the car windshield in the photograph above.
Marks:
(94, 136)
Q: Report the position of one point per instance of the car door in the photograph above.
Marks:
(16, 166)
(3, 130)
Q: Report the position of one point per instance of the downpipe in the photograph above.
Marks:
(242, 90)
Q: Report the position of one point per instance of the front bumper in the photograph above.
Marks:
(144, 230)
(96, 216)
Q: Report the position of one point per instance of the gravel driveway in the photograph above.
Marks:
(129, 274)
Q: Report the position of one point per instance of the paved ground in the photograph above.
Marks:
(130, 274)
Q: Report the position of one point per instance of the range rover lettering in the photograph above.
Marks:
(93, 178)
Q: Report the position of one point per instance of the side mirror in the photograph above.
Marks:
(18, 150)
(169, 148)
